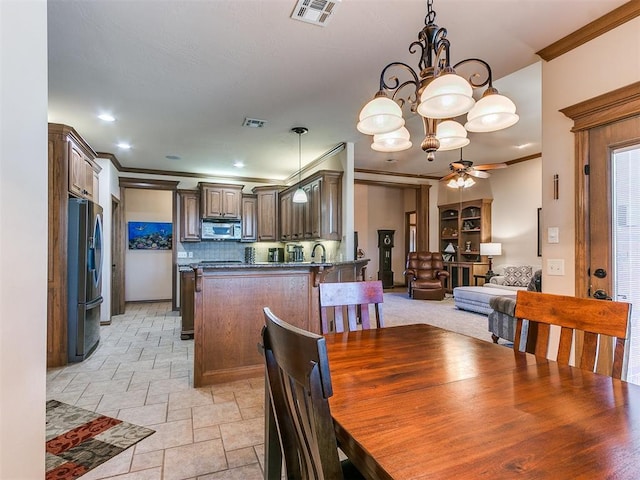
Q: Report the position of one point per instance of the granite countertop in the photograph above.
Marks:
(227, 265)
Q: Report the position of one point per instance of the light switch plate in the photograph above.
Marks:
(190, 254)
(555, 266)
(182, 254)
(553, 235)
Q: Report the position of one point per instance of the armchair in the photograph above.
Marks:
(425, 275)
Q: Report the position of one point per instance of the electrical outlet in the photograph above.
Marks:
(555, 266)
(190, 254)
(182, 254)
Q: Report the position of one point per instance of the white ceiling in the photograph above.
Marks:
(181, 76)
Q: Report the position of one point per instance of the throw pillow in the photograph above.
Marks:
(518, 276)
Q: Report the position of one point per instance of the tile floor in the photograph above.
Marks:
(143, 373)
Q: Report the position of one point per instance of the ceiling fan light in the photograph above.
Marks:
(380, 115)
(447, 96)
(395, 141)
(453, 183)
(491, 113)
(468, 182)
(452, 135)
(299, 196)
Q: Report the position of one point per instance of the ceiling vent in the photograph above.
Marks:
(316, 12)
(253, 123)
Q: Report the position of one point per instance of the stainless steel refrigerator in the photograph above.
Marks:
(84, 270)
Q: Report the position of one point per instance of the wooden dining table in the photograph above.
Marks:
(419, 402)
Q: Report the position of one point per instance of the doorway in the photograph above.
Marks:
(607, 141)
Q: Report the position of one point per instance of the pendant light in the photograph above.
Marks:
(299, 195)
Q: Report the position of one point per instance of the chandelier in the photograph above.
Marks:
(437, 94)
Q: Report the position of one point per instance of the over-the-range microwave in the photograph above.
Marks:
(221, 230)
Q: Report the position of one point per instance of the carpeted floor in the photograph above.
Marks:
(399, 309)
(79, 440)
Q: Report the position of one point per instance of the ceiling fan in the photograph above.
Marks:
(462, 168)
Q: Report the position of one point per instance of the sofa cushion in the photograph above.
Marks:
(519, 276)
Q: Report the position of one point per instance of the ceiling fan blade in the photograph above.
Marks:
(478, 173)
(457, 166)
(491, 166)
(447, 177)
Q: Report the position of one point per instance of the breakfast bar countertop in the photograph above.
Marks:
(213, 264)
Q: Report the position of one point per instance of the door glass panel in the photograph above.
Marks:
(626, 237)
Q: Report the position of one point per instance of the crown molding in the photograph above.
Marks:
(600, 26)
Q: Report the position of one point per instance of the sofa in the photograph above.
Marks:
(501, 321)
(506, 284)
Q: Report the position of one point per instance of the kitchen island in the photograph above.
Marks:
(228, 300)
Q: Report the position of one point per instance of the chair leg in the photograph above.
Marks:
(494, 337)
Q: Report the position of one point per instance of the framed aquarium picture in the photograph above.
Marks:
(150, 235)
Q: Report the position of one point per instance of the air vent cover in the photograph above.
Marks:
(253, 123)
(316, 12)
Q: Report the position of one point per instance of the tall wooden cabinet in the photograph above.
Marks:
(189, 215)
(267, 213)
(463, 226)
(72, 172)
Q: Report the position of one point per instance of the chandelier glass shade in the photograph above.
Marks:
(462, 181)
(438, 94)
(299, 196)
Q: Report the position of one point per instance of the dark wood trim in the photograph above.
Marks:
(111, 157)
(524, 159)
(150, 184)
(607, 108)
(595, 112)
(311, 165)
(600, 26)
(380, 183)
(66, 130)
(395, 174)
(422, 220)
(174, 252)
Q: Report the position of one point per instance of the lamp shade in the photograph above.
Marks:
(451, 135)
(450, 248)
(380, 115)
(491, 249)
(447, 96)
(299, 196)
(395, 141)
(492, 112)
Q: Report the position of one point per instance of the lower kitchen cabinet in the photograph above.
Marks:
(187, 290)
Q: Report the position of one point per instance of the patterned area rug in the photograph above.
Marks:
(79, 440)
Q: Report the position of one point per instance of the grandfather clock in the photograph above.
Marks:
(385, 244)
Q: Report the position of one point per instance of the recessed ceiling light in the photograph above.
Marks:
(390, 160)
(107, 117)
(238, 164)
(124, 146)
(172, 157)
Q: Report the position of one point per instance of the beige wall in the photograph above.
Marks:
(23, 238)
(610, 61)
(148, 273)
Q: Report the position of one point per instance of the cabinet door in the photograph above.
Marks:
(313, 211)
(267, 216)
(249, 218)
(189, 217)
(331, 208)
(88, 182)
(77, 171)
(212, 202)
(285, 217)
(297, 220)
(231, 200)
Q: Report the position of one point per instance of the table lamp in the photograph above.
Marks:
(450, 250)
(490, 250)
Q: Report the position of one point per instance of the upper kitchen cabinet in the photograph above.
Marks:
(220, 201)
(321, 216)
(267, 213)
(249, 218)
(189, 215)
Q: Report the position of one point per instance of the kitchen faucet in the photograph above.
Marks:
(323, 258)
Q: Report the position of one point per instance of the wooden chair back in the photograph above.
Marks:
(597, 329)
(300, 386)
(352, 298)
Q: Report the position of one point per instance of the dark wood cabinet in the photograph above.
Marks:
(267, 213)
(83, 171)
(220, 201)
(189, 215)
(187, 291)
(320, 217)
(463, 226)
(249, 218)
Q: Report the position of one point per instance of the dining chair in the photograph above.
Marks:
(586, 324)
(299, 385)
(354, 298)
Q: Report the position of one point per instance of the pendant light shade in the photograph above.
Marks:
(395, 141)
(452, 135)
(380, 115)
(447, 96)
(492, 112)
(299, 196)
